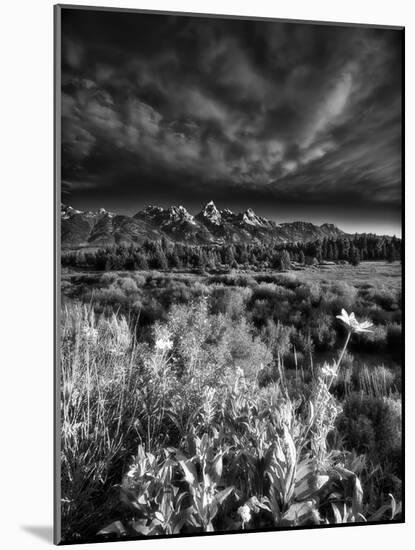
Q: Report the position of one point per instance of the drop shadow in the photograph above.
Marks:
(42, 532)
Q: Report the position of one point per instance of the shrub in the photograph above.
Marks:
(139, 279)
(108, 278)
(229, 301)
(113, 296)
(323, 334)
(278, 338)
(339, 295)
(128, 285)
(382, 415)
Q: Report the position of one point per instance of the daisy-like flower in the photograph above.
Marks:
(244, 513)
(353, 324)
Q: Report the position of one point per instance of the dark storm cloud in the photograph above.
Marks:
(180, 109)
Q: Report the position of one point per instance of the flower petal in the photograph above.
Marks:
(361, 329)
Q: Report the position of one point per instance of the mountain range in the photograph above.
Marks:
(210, 226)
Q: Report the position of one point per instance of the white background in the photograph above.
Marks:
(26, 299)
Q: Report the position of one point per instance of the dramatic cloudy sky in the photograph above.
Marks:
(295, 121)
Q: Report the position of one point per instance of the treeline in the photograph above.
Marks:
(163, 255)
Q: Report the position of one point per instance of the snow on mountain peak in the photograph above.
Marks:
(227, 212)
(104, 212)
(179, 213)
(251, 218)
(68, 211)
(211, 213)
(152, 210)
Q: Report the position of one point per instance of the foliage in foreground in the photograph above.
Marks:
(216, 451)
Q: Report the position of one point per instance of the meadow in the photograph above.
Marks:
(228, 401)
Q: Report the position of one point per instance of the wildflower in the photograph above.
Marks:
(163, 341)
(244, 513)
(164, 344)
(326, 370)
(353, 324)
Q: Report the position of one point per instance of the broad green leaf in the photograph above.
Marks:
(140, 526)
(299, 512)
(223, 495)
(113, 528)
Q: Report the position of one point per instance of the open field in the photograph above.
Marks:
(373, 273)
(381, 273)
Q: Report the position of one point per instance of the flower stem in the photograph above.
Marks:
(343, 350)
(340, 359)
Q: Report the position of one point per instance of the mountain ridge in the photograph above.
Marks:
(209, 226)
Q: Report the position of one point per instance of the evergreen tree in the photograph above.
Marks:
(140, 261)
(354, 256)
(228, 256)
(174, 260)
(158, 260)
(392, 256)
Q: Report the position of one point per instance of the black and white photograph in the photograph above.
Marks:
(230, 251)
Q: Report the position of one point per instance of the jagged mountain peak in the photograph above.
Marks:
(67, 211)
(210, 207)
(179, 208)
(211, 213)
(106, 213)
(249, 217)
(227, 212)
(150, 211)
(179, 213)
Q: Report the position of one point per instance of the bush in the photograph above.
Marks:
(128, 285)
(139, 279)
(108, 278)
(381, 416)
(322, 332)
(229, 301)
(277, 337)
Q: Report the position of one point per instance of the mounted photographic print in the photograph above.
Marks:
(229, 329)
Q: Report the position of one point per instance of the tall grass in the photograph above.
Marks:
(98, 409)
